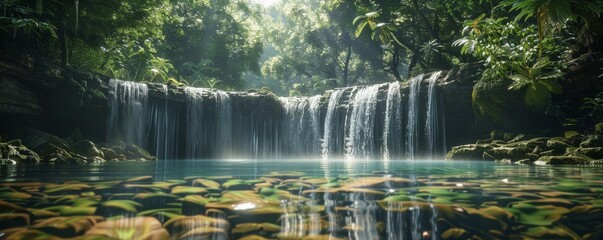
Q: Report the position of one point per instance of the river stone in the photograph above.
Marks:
(50, 151)
(550, 233)
(87, 149)
(4, 162)
(117, 207)
(594, 152)
(110, 154)
(599, 128)
(133, 152)
(456, 233)
(468, 152)
(141, 228)
(378, 182)
(17, 152)
(67, 227)
(560, 160)
(513, 153)
(10, 220)
(154, 200)
(557, 145)
(592, 141)
(183, 225)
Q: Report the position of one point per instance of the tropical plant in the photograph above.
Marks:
(382, 32)
(539, 81)
(157, 69)
(551, 15)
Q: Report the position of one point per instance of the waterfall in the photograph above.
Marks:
(389, 121)
(126, 121)
(194, 122)
(329, 141)
(412, 131)
(392, 126)
(301, 125)
(431, 120)
(163, 127)
(359, 140)
(223, 123)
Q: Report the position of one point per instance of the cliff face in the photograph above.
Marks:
(60, 101)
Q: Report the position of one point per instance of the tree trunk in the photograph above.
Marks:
(395, 62)
(64, 46)
(346, 67)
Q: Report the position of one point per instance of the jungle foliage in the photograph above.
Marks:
(302, 47)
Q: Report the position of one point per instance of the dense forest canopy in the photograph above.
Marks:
(302, 47)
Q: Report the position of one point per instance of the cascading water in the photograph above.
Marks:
(194, 122)
(224, 124)
(163, 127)
(127, 105)
(392, 126)
(412, 131)
(360, 122)
(431, 120)
(301, 125)
(330, 140)
(360, 141)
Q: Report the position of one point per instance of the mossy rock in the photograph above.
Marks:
(10, 220)
(594, 152)
(557, 145)
(513, 153)
(599, 128)
(592, 141)
(14, 150)
(110, 154)
(189, 227)
(134, 152)
(468, 152)
(142, 228)
(67, 227)
(88, 149)
(563, 160)
(51, 151)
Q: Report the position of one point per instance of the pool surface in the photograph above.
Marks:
(301, 199)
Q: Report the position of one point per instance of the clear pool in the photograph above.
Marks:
(301, 199)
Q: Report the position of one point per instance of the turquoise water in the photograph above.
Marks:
(297, 199)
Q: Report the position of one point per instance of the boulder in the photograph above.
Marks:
(594, 152)
(87, 149)
(562, 160)
(134, 152)
(5, 161)
(16, 151)
(52, 151)
(592, 141)
(110, 154)
(468, 152)
(599, 128)
(557, 145)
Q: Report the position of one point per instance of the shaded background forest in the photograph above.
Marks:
(306, 47)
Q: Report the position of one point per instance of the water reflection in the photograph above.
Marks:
(353, 199)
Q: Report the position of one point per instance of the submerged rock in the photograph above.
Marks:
(142, 228)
